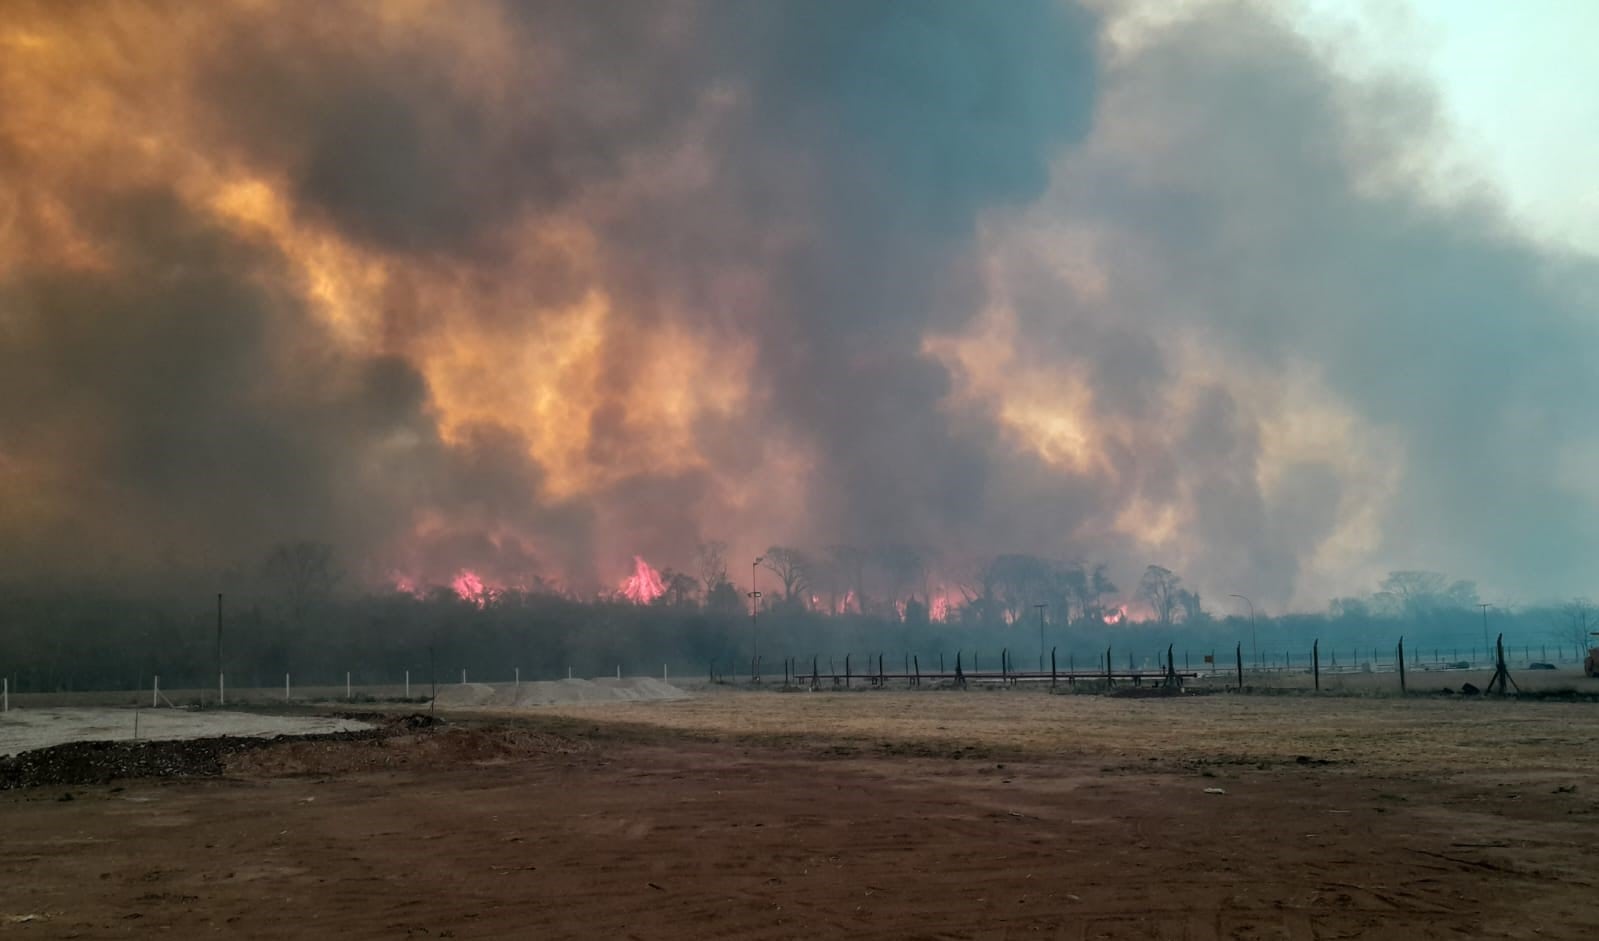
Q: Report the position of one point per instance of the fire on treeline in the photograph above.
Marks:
(894, 583)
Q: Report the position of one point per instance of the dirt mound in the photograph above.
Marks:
(433, 748)
(79, 763)
(557, 693)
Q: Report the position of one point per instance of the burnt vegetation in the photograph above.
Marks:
(297, 613)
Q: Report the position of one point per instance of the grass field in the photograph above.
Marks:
(988, 813)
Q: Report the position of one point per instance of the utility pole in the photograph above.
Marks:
(755, 621)
(221, 689)
(1485, 645)
(1040, 608)
(1253, 651)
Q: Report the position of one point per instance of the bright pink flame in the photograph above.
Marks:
(469, 588)
(644, 585)
(1117, 615)
(846, 602)
(899, 609)
(939, 610)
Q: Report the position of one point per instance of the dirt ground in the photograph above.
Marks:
(874, 815)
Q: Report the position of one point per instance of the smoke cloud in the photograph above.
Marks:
(533, 288)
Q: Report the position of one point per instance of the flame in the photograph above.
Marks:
(405, 584)
(1116, 616)
(938, 611)
(644, 585)
(470, 588)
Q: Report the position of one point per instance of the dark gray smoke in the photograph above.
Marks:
(814, 192)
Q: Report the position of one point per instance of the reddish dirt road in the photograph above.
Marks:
(496, 831)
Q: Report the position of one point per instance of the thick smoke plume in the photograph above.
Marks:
(528, 289)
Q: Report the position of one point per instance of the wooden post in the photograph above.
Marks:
(960, 678)
(1052, 668)
(1240, 653)
(846, 671)
(1108, 681)
(1004, 664)
(1315, 662)
(1401, 664)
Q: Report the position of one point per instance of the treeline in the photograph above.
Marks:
(87, 636)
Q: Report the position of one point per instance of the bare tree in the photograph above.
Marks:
(789, 566)
(710, 561)
(302, 574)
(1576, 623)
(679, 588)
(902, 568)
(851, 568)
(1161, 590)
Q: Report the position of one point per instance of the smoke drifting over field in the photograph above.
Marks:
(531, 289)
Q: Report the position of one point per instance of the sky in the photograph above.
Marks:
(1512, 81)
(1281, 296)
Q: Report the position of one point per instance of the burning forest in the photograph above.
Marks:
(538, 299)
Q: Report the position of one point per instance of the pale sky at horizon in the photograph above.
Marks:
(1516, 82)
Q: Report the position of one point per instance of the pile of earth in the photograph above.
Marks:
(556, 692)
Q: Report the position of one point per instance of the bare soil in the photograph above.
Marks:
(873, 815)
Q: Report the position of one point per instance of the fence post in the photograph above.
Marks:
(5, 694)
(347, 684)
(916, 662)
(155, 692)
(1315, 662)
(1401, 663)
(1052, 668)
(1240, 652)
(1004, 664)
(407, 684)
(285, 687)
(1108, 681)
(516, 680)
(846, 671)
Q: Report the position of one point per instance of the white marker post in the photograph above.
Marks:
(618, 671)
(407, 684)
(518, 680)
(155, 692)
(568, 672)
(463, 676)
(663, 674)
(285, 687)
(347, 685)
(222, 690)
(5, 694)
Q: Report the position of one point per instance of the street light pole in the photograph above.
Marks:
(1485, 606)
(1040, 608)
(755, 621)
(1253, 650)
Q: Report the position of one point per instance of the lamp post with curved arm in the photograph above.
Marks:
(1253, 650)
(755, 622)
